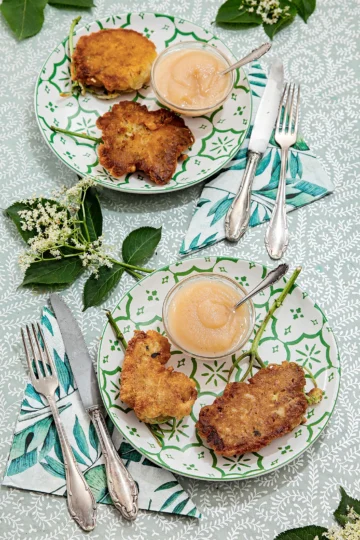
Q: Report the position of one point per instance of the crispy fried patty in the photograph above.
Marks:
(155, 392)
(137, 139)
(118, 60)
(249, 415)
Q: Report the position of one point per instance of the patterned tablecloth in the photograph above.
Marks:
(325, 239)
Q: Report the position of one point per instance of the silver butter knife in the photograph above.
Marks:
(122, 488)
(238, 216)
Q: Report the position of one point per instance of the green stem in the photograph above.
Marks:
(73, 134)
(134, 274)
(153, 433)
(71, 32)
(84, 224)
(311, 376)
(253, 351)
(278, 302)
(118, 333)
(237, 362)
(248, 370)
(139, 268)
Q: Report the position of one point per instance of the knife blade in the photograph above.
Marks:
(238, 216)
(122, 487)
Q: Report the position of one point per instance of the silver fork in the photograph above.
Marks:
(80, 500)
(277, 233)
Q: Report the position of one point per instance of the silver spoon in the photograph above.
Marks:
(254, 55)
(270, 279)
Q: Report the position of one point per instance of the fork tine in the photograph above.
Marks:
(297, 112)
(50, 363)
(291, 117)
(28, 359)
(280, 113)
(38, 371)
(41, 356)
(287, 117)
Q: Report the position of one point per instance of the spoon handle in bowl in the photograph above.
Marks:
(270, 279)
(254, 55)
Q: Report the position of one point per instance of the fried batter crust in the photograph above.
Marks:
(147, 386)
(137, 139)
(117, 59)
(251, 414)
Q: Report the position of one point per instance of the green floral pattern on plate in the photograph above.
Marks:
(286, 337)
(217, 136)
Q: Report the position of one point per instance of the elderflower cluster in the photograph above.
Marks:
(52, 226)
(96, 256)
(351, 531)
(72, 196)
(269, 10)
(56, 227)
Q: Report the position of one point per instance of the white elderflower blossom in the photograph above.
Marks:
(72, 196)
(351, 531)
(56, 226)
(96, 256)
(270, 11)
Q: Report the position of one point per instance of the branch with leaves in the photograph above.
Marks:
(65, 238)
(316, 394)
(274, 15)
(26, 18)
(347, 516)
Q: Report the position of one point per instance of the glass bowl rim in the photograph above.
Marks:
(172, 105)
(249, 302)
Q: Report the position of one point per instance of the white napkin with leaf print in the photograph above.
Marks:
(306, 182)
(36, 463)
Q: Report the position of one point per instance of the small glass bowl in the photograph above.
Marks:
(208, 277)
(191, 45)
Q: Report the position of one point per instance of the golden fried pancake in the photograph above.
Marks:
(137, 139)
(118, 60)
(249, 415)
(156, 393)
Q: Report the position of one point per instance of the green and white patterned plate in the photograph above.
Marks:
(299, 332)
(217, 136)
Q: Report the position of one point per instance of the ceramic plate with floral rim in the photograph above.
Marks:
(217, 136)
(299, 332)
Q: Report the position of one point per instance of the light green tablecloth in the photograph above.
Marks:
(324, 239)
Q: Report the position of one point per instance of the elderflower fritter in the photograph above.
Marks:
(270, 11)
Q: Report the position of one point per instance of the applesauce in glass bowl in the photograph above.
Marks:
(199, 319)
(185, 78)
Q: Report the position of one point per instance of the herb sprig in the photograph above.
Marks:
(274, 15)
(26, 17)
(347, 515)
(65, 237)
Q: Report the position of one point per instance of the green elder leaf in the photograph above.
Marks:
(25, 17)
(303, 533)
(341, 511)
(90, 212)
(97, 287)
(53, 272)
(229, 12)
(140, 245)
(305, 8)
(72, 3)
(272, 29)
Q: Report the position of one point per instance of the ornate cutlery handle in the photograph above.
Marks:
(277, 233)
(238, 216)
(122, 487)
(80, 500)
